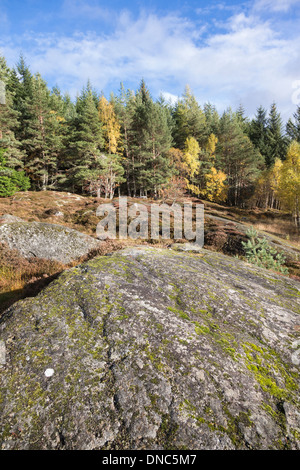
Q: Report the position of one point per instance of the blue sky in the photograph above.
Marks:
(228, 52)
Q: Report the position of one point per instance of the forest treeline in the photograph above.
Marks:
(132, 145)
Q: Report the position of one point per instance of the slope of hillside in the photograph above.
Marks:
(152, 349)
(225, 230)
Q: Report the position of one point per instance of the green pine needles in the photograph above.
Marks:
(260, 253)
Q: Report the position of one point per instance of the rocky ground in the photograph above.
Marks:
(160, 346)
(150, 348)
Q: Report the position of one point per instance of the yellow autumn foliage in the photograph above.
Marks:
(191, 156)
(193, 189)
(211, 146)
(216, 189)
(289, 181)
(110, 126)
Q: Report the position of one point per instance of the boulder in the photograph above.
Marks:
(191, 247)
(153, 349)
(8, 219)
(48, 241)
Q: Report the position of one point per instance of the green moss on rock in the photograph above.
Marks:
(146, 355)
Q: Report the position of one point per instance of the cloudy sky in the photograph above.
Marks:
(229, 52)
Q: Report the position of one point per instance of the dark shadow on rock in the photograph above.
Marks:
(7, 299)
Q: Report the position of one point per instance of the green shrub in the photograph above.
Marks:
(20, 180)
(260, 253)
(11, 180)
(7, 187)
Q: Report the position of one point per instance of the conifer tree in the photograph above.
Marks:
(20, 86)
(150, 141)
(258, 131)
(9, 123)
(242, 119)
(189, 120)
(124, 106)
(85, 142)
(293, 126)
(110, 177)
(212, 119)
(275, 140)
(238, 158)
(267, 185)
(43, 141)
(40, 130)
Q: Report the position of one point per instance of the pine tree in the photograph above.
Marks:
(20, 86)
(124, 106)
(189, 120)
(238, 159)
(212, 119)
(267, 185)
(151, 139)
(85, 142)
(258, 131)
(242, 119)
(43, 142)
(275, 140)
(9, 122)
(293, 128)
(110, 177)
(180, 130)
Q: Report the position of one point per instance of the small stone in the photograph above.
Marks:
(49, 372)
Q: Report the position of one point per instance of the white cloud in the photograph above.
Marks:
(248, 62)
(275, 5)
(169, 97)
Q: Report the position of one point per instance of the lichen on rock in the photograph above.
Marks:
(153, 349)
(49, 241)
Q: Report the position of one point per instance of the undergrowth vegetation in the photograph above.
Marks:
(21, 277)
(260, 253)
